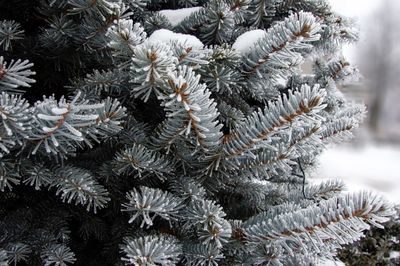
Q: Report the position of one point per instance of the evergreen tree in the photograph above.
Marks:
(184, 136)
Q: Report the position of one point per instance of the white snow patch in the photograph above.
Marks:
(371, 167)
(176, 16)
(247, 40)
(164, 35)
(394, 254)
(331, 263)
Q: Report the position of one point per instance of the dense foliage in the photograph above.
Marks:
(178, 136)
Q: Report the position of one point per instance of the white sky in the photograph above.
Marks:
(355, 8)
(360, 10)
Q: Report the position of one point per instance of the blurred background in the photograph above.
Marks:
(372, 160)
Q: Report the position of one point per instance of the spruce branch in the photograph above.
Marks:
(340, 220)
(58, 255)
(189, 54)
(240, 9)
(190, 102)
(145, 201)
(141, 162)
(151, 250)
(155, 22)
(283, 48)
(262, 12)
(215, 233)
(15, 114)
(222, 79)
(261, 124)
(59, 34)
(61, 126)
(15, 121)
(230, 116)
(193, 22)
(151, 64)
(100, 16)
(199, 254)
(318, 7)
(339, 126)
(105, 81)
(124, 37)
(78, 185)
(281, 41)
(8, 175)
(18, 252)
(188, 3)
(268, 254)
(324, 190)
(305, 140)
(187, 189)
(337, 30)
(267, 162)
(15, 75)
(10, 31)
(219, 23)
(111, 116)
(138, 4)
(338, 69)
(3, 258)
(38, 176)
(223, 182)
(100, 8)
(205, 213)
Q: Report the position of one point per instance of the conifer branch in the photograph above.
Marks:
(143, 162)
(338, 219)
(281, 40)
(15, 75)
(149, 201)
(10, 31)
(61, 126)
(189, 102)
(261, 124)
(152, 62)
(58, 254)
(152, 250)
(74, 184)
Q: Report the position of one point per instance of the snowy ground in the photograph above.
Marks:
(370, 167)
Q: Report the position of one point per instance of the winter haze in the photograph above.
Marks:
(371, 161)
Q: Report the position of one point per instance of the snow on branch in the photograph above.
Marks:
(168, 36)
(176, 16)
(247, 40)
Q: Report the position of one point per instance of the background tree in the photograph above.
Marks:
(378, 64)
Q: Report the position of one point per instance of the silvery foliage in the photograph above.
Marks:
(220, 179)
